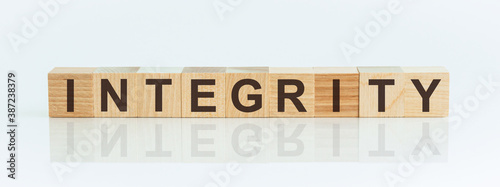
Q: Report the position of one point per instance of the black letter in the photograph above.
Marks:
(292, 96)
(381, 91)
(425, 94)
(121, 102)
(195, 95)
(158, 91)
(255, 97)
(336, 95)
(70, 96)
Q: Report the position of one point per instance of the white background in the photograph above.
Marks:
(460, 35)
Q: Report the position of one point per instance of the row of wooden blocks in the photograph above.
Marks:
(249, 92)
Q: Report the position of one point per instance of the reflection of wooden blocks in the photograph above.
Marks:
(115, 92)
(426, 91)
(70, 92)
(203, 140)
(381, 92)
(158, 140)
(301, 129)
(291, 92)
(203, 92)
(159, 92)
(336, 91)
(345, 135)
(246, 92)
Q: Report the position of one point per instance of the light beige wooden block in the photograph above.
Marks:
(246, 92)
(159, 92)
(336, 92)
(426, 91)
(291, 92)
(203, 92)
(115, 92)
(381, 92)
(70, 92)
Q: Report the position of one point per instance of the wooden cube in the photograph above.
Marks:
(203, 93)
(291, 92)
(70, 92)
(426, 91)
(381, 92)
(159, 92)
(336, 91)
(115, 92)
(246, 92)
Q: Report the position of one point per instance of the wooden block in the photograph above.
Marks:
(159, 92)
(381, 92)
(70, 92)
(203, 92)
(246, 92)
(115, 92)
(291, 92)
(336, 92)
(426, 91)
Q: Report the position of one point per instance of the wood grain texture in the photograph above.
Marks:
(306, 76)
(170, 94)
(83, 92)
(114, 75)
(235, 74)
(439, 99)
(348, 78)
(406, 92)
(368, 94)
(204, 73)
